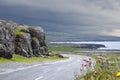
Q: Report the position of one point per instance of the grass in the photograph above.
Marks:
(18, 31)
(53, 48)
(61, 47)
(34, 38)
(103, 70)
(17, 58)
(3, 60)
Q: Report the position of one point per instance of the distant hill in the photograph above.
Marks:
(80, 45)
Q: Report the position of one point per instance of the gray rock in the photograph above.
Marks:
(35, 46)
(21, 39)
(59, 55)
(6, 39)
(23, 45)
(4, 53)
(39, 34)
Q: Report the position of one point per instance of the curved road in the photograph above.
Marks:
(59, 70)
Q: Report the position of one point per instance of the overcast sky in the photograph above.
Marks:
(67, 18)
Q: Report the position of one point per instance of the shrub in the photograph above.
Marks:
(103, 70)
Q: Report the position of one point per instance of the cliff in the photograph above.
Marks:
(20, 39)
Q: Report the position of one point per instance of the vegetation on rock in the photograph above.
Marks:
(18, 31)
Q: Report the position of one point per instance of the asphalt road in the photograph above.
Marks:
(58, 70)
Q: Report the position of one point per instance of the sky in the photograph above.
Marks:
(67, 20)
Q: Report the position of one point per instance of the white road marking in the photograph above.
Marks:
(41, 77)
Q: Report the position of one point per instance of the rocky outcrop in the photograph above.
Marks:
(24, 40)
(38, 41)
(30, 41)
(35, 46)
(23, 45)
(7, 38)
(91, 46)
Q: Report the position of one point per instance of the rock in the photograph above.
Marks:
(24, 28)
(35, 46)
(6, 39)
(38, 34)
(30, 41)
(23, 44)
(4, 53)
(21, 39)
(60, 56)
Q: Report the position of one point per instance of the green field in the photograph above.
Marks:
(62, 47)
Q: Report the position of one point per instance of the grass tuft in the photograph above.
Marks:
(18, 31)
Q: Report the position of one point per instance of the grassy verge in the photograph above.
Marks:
(106, 68)
(3, 60)
(17, 58)
(54, 49)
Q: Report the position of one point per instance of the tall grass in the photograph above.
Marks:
(106, 68)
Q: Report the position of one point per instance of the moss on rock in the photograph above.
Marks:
(34, 38)
(18, 31)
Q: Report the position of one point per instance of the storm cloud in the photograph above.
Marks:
(67, 19)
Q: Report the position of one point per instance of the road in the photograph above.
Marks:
(58, 70)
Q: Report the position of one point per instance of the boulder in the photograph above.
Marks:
(23, 43)
(59, 55)
(21, 39)
(6, 39)
(35, 46)
(38, 34)
(4, 53)
(30, 41)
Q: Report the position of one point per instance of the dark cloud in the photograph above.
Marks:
(71, 19)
